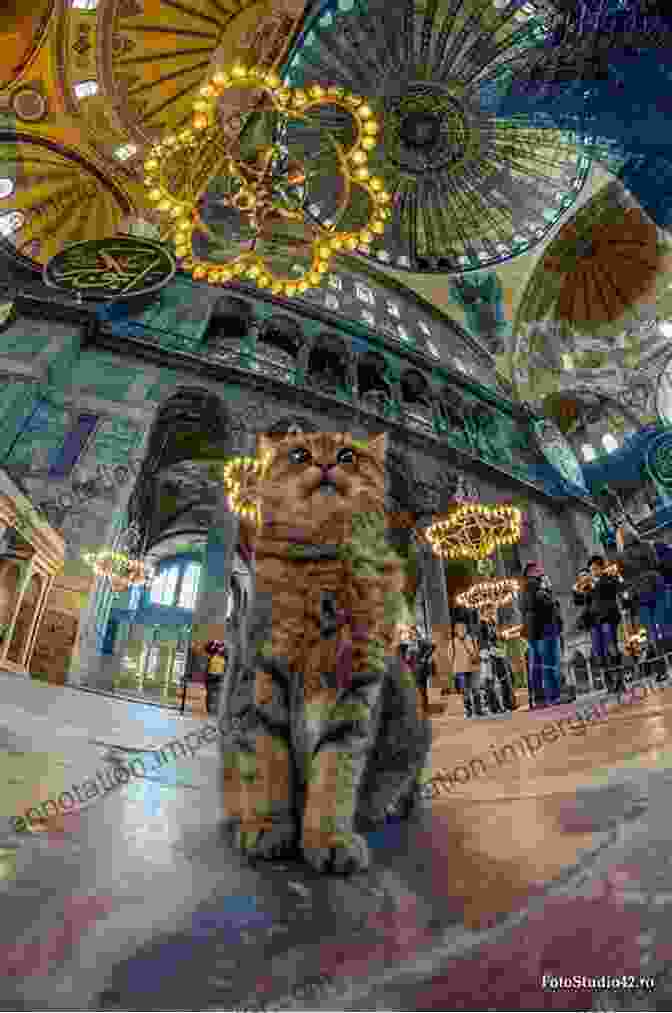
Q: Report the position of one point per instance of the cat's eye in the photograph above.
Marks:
(299, 455)
(345, 456)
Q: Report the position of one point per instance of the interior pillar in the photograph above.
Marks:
(23, 587)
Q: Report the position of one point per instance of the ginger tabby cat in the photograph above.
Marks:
(323, 731)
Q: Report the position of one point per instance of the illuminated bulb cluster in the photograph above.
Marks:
(294, 103)
(241, 480)
(493, 593)
(474, 530)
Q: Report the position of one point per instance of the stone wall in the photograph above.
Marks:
(76, 438)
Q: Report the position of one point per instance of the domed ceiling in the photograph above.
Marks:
(504, 226)
(470, 190)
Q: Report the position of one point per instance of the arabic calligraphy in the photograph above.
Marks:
(111, 268)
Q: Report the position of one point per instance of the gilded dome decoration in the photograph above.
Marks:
(23, 27)
(58, 197)
(605, 268)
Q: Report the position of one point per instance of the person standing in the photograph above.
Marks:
(425, 669)
(466, 663)
(599, 596)
(542, 628)
(500, 687)
(217, 654)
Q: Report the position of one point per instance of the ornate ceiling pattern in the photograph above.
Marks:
(57, 196)
(87, 85)
(593, 313)
(471, 190)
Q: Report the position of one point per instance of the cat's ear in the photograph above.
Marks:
(265, 450)
(378, 446)
(264, 445)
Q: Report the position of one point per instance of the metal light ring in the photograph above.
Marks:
(254, 78)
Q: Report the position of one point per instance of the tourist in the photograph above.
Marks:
(598, 590)
(218, 656)
(466, 663)
(542, 628)
(500, 680)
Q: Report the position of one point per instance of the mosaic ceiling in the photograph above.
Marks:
(505, 227)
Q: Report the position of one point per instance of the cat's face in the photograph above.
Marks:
(328, 474)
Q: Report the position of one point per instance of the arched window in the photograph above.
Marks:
(85, 88)
(610, 443)
(588, 452)
(176, 584)
(11, 222)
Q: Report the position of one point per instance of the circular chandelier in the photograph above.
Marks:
(269, 188)
(474, 530)
(120, 569)
(489, 593)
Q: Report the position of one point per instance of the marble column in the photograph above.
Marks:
(438, 608)
(209, 622)
(86, 659)
(47, 584)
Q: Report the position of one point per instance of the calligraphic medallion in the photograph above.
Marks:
(122, 267)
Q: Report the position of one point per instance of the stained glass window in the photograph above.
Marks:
(62, 461)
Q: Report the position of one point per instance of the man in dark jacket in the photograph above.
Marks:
(603, 618)
(542, 628)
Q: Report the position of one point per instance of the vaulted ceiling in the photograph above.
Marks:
(512, 221)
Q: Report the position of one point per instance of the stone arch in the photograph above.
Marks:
(186, 419)
(371, 369)
(190, 410)
(452, 406)
(278, 344)
(328, 363)
(416, 398)
(230, 320)
(415, 388)
(288, 423)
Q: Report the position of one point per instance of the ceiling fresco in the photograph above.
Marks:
(506, 228)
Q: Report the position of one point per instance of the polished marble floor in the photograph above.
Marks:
(544, 851)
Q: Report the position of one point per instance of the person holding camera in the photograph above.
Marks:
(597, 589)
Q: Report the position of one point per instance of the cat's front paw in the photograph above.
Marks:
(272, 840)
(340, 853)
